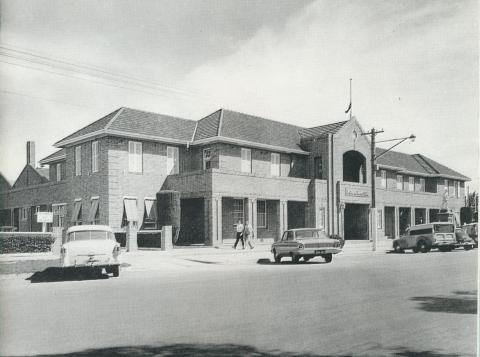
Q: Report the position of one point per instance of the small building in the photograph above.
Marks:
(229, 166)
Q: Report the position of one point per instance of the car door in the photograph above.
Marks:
(283, 246)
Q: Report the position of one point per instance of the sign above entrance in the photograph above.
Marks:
(355, 192)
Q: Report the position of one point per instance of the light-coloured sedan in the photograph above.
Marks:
(305, 243)
(91, 246)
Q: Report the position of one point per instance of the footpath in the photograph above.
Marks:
(179, 258)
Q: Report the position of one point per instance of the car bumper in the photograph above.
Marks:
(82, 262)
(312, 252)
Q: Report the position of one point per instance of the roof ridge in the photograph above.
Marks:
(155, 113)
(423, 159)
(220, 123)
(114, 118)
(318, 126)
(194, 131)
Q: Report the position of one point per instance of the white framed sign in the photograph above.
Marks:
(45, 217)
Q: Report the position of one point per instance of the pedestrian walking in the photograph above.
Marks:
(239, 228)
(248, 234)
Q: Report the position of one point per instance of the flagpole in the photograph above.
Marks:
(351, 105)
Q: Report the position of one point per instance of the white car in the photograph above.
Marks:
(92, 246)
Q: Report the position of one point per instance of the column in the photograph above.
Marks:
(254, 215)
(283, 214)
(218, 201)
(397, 222)
(427, 215)
(341, 231)
(132, 237)
(412, 216)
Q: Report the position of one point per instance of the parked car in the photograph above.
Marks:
(91, 246)
(463, 239)
(424, 237)
(472, 230)
(305, 243)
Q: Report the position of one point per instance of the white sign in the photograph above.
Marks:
(45, 217)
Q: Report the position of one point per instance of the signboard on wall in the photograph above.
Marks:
(45, 217)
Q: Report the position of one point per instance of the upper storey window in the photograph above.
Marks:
(172, 160)
(275, 164)
(246, 160)
(78, 160)
(94, 156)
(135, 156)
(399, 182)
(384, 178)
(207, 157)
(411, 183)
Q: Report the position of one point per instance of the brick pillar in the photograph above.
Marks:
(218, 201)
(132, 237)
(57, 244)
(412, 216)
(166, 240)
(254, 217)
(283, 217)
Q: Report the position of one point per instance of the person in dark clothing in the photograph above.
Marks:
(239, 228)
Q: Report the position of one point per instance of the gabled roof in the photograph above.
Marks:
(133, 122)
(31, 176)
(4, 184)
(416, 163)
(332, 128)
(56, 156)
(228, 124)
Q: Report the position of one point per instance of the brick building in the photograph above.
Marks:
(228, 166)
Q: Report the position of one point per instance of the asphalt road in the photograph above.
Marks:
(365, 305)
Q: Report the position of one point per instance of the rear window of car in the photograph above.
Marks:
(310, 234)
(89, 235)
(443, 228)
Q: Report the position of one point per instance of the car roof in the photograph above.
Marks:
(304, 229)
(425, 225)
(90, 227)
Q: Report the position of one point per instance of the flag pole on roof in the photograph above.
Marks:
(349, 109)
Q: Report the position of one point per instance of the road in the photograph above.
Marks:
(364, 305)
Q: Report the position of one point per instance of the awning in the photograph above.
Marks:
(150, 209)
(93, 211)
(130, 205)
(77, 208)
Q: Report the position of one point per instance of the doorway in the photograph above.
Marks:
(296, 214)
(356, 221)
(191, 222)
(404, 219)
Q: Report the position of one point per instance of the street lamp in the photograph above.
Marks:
(373, 158)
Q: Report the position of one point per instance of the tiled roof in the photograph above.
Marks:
(208, 126)
(332, 128)
(56, 156)
(255, 129)
(4, 184)
(133, 121)
(147, 123)
(415, 163)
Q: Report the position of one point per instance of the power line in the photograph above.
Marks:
(41, 98)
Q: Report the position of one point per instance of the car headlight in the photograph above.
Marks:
(300, 246)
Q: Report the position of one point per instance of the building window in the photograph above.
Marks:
(94, 214)
(383, 173)
(77, 213)
(58, 168)
(94, 156)
(421, 186)
(411, 184)
(379, 219)
(451, 191)
(399, 182)
(275, 164)
(59, 212)
(261, 214)
(457, 189)
(78, 160)
(150, 214)
(318, 167)
(207, 157)
(172, 160)
(24, 214)
(37, 209)
(130, 213)
(237, 210)
(246, 160)
(135, 156)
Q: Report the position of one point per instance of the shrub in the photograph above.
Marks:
(28, 242)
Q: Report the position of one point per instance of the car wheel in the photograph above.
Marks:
(328, 258)
(397, 248)
(468, 247)
(295, 258)
(423, 246)
(116, 270)
(276, 257)
(415, 250)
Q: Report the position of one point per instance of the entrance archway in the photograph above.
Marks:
(354, 167)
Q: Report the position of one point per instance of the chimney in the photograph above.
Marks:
(31, 153)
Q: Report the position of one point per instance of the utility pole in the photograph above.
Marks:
(373, 157)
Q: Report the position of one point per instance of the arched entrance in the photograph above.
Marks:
(354, 167)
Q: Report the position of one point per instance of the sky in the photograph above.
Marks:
(414, 65)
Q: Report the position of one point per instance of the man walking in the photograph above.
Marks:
(248, 234)
(239, 229)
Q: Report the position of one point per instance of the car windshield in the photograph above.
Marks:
(310, 234)
(89, 235)
(443, 228)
